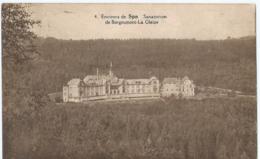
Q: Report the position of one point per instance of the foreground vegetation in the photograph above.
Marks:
(181, 129)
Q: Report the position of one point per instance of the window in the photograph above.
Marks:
(107, 89)
(154, 89)
(80, 91)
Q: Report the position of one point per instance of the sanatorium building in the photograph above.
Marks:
(101, 87)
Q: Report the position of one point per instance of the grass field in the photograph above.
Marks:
(178, 129)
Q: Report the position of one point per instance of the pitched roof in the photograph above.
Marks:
(171, 80)
(74, 81)
(117, 81)
(96, 80)
(95, 77)
(153, 78)
(185, 78)
(174, 80)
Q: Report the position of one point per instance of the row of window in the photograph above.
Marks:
(95, 91)
(179, 90)
(138, 91)
(95, 88)
(114, 91)
(140, 86)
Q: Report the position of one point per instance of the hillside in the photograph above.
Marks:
(229, 63)
(181, 129)
(184, 129)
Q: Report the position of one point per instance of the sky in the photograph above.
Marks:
(184, 21)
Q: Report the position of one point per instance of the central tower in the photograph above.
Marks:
(110, 70)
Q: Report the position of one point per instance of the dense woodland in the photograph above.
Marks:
(229, 63)
(36, 128)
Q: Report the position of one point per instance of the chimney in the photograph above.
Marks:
(110, 71)
(97, 74)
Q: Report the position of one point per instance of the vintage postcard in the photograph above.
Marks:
(129, 81)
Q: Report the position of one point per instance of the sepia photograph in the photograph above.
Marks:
(129, 81)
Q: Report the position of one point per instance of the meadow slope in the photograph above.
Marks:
(181, 129)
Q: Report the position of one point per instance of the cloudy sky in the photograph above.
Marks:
(77, 21)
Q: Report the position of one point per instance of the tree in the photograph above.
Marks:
(17, 41)
(17, 36)
(17, 50)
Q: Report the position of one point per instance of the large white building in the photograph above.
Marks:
(98, 87)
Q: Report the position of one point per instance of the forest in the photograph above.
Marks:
(229, 63)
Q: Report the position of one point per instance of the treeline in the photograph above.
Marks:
(181, 129)
(229, 63)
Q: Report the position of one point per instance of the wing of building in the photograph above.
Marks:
(73, 90)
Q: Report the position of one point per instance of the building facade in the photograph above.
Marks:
(142, 87)
(98, 87)
(73, 91)
(177, 87)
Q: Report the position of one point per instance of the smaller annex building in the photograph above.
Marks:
(177, 87)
